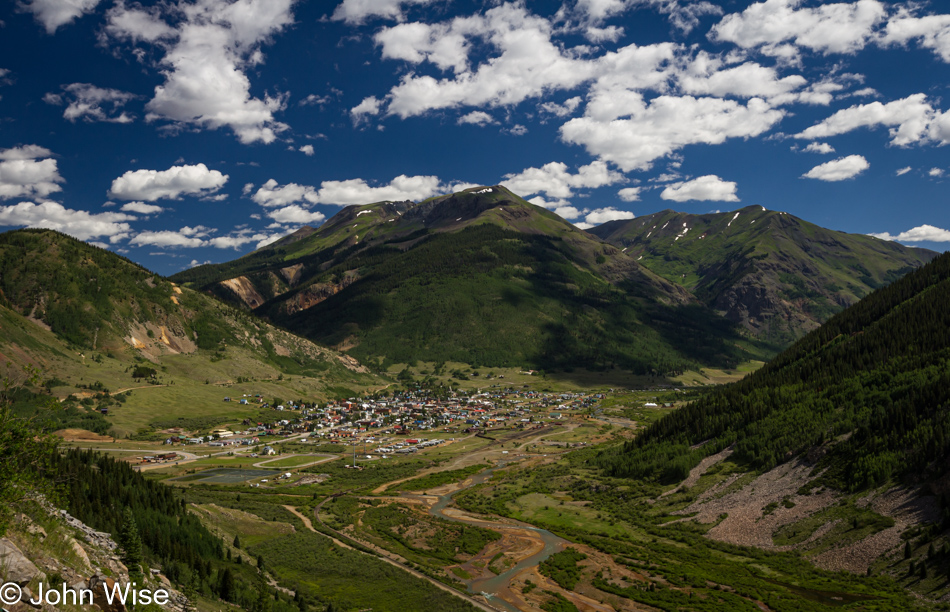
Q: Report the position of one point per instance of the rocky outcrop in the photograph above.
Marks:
(762, 310)
(96, 538)
(100, 585)
(316, 293)
(90, 562)
(156, 340)
(245, 290)
(15, 566)
(292, 273)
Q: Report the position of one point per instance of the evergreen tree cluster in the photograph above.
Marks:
(110, 496)
(873, 384)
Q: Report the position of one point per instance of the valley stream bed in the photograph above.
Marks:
(490, 587)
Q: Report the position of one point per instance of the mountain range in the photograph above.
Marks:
(482, 277)
(771, 272)
(96, 300)
(485, 277)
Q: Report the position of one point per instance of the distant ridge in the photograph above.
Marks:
(773, 273)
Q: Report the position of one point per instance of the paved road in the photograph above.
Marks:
(148, 451)
(188, 456)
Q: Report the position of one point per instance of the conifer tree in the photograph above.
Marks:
(131, 543)
(263, 601)
(226, 585)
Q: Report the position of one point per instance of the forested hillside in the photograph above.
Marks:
(870, 389)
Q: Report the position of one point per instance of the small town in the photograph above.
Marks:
(374, 423)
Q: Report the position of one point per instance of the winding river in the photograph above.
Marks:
(490, 586)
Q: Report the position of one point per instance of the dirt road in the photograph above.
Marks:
(306, 521)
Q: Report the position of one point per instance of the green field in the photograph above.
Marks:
(250, 528)
(224, 476)
(578, 379)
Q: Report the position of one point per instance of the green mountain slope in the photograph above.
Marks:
(777, 275)
(870, 388)
(87, 319)
(481, 276)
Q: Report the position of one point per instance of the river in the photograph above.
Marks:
(490, 586)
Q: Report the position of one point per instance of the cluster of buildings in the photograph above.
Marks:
(401, 414)
(160, 458)
(405, 413)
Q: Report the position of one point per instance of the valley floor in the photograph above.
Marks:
(519, 520)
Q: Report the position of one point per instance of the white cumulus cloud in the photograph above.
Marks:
(683, 14)
(271, 194)
(296, 214)
(185, 237)
(554, 179)
(704, 189)
(923, 233)
(636, 133)
(603, 215)
(826, 28)
(238, 239)
(630, 194)
(201, 236)
(819, 147)
(706, 75)
(355, 12)
(840, 169)
(930, 31)
(207, 51)
(369, 107)
(561, 110)
(24, 174)
(909, 120)
(358, 191)
(151, 185)
(562, 208)
(352, 191)
(526, 62)
(90, 103)
(55, 13)
(476, 118)
(142, 208)
(77, 223)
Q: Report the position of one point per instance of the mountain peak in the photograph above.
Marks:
(481, 276)
(776, 274)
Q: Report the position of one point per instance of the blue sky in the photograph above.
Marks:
(181, 132)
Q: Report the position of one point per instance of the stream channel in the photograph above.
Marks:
(490, 586)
